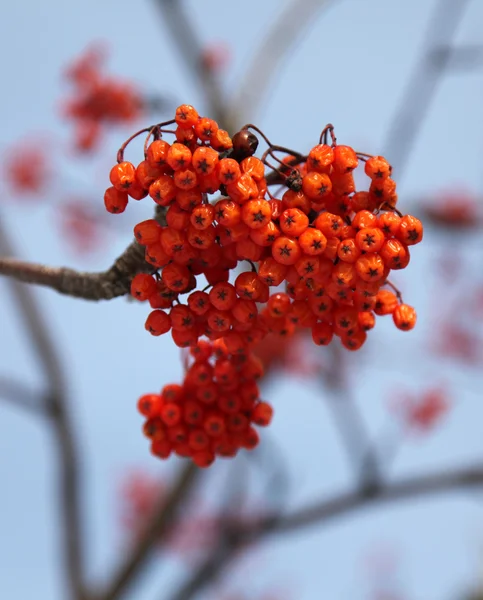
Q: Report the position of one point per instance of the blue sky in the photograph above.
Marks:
(349, 68)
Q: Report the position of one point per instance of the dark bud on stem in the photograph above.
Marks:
(294, 180)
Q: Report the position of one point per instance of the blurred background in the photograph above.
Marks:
(402, 79)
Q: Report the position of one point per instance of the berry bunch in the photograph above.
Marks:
(331, 246)
(98, 99)
(213, 412)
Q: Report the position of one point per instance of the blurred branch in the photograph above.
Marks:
(464, 57)
(343, 504)
(263, 67)
(158, 524)
(185, 37)
(423, 82)
(18, 394)
(325, 511)
(56, 405)
(209, 569)
(349, 421)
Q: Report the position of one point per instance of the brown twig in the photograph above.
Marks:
(159, 523)
(56, 408)
(185, 37)
(114, 282)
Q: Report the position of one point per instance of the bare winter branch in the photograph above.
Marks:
(56, 404)
(265, 64)
(158, 524)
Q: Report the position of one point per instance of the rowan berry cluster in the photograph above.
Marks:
(331, 246)
(98, 99)
(213, 412)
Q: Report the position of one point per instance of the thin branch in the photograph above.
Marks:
(343, 504)
(322, 512)
(159, 523)
(56, 403)
(264, 66)
(185, 37)
(18, 394)
(106, 285)
(423, 83)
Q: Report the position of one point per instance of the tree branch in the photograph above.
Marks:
(325, 511)
(423, 82)
(56, 408)
(267, 60)
(158, 524)
(20, 395)
(185, 37)
(114, 282)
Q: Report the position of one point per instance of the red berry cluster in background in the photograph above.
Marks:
(332, 247)
(213, 412)
(98, 100)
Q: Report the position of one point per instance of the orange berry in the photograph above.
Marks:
(158, 322)
(115, 201)
(227, 212)
(202, 216)
(389, 223)
(188, 199)
(355, 341)
(320, 158)
(370, 267)
(262, 414)
(293, 221)
(404, 317)
(228, 171)
(312, 241)
(123, 176)
(157, 153)
(286, 250)
(223, 296)
(142, 286)
(147, 232)
(163, 190)
(199, 302)
(366, 320)
(345, 159)
(348, 251)
(266, 235)
(316, 186)
(205, 128)
(322, 334)
(204, 160)
(377, 168)
(221, 140)
(364, 220)
(272, 272)
(186, 115)
(185, 179)
(292, 199)
(410, 230)
(395, 254)
(386, 302)
(254, 167)
(330, 225)
(177, 218)
(370, 239)
(178, 156)
(243, 189)
(256, 213)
